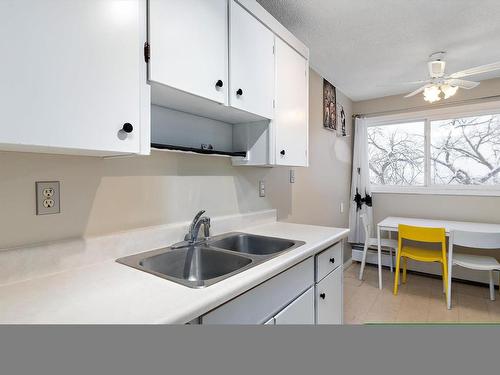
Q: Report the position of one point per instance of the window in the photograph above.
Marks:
(396, 154)
(466, 151)
(443, 152)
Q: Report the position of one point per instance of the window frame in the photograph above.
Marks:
(427, 116)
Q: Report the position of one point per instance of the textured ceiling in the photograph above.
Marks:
(361, 44)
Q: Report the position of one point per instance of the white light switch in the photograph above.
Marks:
(341, 207)
(262, 188)
(292, 176)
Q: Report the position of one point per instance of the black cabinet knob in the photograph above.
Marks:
(127, 127)
(282, 152)
(323, 295)
(332, 260)
(239, 92)
(219, 83)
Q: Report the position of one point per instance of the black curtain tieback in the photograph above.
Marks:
(360, 200)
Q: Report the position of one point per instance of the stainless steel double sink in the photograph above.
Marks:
(210, 261)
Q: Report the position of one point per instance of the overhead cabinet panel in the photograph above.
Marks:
(291, 114)
(251, 63)
(71, 75)
(188, 44)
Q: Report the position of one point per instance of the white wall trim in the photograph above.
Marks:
(491, 191)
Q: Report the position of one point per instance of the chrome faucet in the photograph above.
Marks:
(194, 229)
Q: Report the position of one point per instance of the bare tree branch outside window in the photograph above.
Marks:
(463, 151)
(466, 151)
(396, 154)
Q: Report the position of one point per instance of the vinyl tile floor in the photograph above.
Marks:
(420, 300)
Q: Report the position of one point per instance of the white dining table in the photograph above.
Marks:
(391, 223)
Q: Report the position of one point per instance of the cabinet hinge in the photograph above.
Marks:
(147, 52)
(274, 103)
(274, 50)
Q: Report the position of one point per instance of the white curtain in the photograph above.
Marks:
(360, 184)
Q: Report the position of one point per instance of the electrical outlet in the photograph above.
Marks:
(292, 176)
(47, 197)
(262, 188)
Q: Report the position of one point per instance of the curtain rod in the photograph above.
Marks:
(425, 107)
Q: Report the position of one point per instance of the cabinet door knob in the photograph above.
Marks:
(127, 127)
(323, 295)
(332, 260)
(239, 92)
(282, 152)
(219, 83)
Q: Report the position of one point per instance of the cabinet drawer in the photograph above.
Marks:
(266, 299)
(328, 260)
(329, 299)
(300, 311)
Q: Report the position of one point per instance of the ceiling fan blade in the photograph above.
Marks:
(462, 83)
(404, 83)
(417, 91)
(477, 70)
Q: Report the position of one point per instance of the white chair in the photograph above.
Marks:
(474, 240)
(372, 241)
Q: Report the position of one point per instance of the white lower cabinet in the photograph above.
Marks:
(307, 293)
(265, 300)
(329, 298)
(300, 311)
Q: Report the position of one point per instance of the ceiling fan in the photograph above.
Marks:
(442, 86)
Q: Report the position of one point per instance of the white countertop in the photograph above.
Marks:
(112, 293)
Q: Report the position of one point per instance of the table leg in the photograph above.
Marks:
(379, 254)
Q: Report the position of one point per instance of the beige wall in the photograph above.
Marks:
(399, 103)
(105, 195)
(325, 184)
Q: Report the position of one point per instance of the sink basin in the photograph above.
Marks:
(252, 244)
(211, 261)
(195, 267)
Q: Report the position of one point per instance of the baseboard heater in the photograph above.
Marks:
(429, 268)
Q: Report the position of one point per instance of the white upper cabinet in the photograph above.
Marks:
(291, 113)
(251, 63)
(188, 40)
(73, 74)
(285, 140)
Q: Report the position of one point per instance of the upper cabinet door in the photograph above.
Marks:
(251, 62)
(71, 75)
(291, 113)
(188, 40)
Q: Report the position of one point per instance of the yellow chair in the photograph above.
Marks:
(421, 234)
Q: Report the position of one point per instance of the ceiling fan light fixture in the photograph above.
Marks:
(449, 90)
(432, 94)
